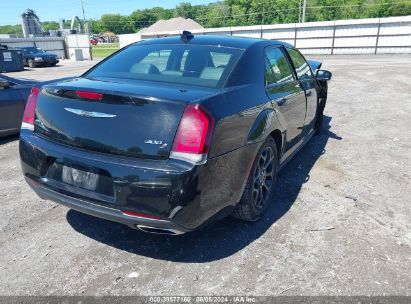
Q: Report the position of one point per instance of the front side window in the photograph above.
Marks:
(199, 65)
(278, 69)
(301, 66)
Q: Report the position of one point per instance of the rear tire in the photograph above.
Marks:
(259, 188)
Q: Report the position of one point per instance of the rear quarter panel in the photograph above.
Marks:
(235, 112)
(243, 112)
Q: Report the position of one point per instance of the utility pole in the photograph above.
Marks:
(299, 11)
(304, 8)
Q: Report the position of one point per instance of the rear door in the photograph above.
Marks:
(286, 92)
(11, 109)
(306, 78)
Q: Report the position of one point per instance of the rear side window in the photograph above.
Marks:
(200, 65)
(269, 75)
(220, 59)
(301, 66)
(158, 59)
(278, 70)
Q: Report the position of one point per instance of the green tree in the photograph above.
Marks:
(96, 26)
(162, 13)
(185, 10)
(11, 29)
(262, 12)
(117, 24)
(217, 15)
(286, 11)
(142, 18)
(380, 8)
(50, 25)
(238, 11)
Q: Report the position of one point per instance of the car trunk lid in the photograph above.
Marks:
(116, 117)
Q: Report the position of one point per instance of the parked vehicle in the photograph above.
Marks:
(13, 96)
(35, 57)
(171, 134)
(93, 41)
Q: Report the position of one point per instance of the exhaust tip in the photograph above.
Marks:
(157, 230)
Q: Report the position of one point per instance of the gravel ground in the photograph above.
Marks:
(340, 223)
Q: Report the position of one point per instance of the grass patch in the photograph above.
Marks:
(104, 50)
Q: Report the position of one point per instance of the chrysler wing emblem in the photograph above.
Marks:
(89, 114)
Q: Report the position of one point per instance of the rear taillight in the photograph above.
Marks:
(30, 110)
(192, 139)
(89, 95)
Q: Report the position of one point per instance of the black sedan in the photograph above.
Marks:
(13, 97)
(36, 57)
(169, 135)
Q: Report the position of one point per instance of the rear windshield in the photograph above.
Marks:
(200, 65)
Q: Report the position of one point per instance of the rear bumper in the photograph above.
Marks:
(104, 212)
(182, 195)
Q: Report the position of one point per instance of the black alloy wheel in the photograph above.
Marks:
(263, 177)
(258, 191)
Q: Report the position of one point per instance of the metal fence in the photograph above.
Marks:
(64, 47)
(356, 36)
(55, 45)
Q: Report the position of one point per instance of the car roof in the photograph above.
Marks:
(224, 41)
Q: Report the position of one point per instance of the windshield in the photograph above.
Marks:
(32, 50)
(200, 65)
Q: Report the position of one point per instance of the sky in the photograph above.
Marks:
(54, 10)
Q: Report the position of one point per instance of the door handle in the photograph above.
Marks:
(282, 102)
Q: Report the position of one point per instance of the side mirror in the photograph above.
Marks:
(323, 75)
(4, 84)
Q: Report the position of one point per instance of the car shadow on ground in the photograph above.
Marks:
(220, 240)
(9, 138)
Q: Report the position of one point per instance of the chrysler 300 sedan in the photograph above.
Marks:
(171, 134)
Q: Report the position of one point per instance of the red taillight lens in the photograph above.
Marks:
(89, 95)
(194, 132)
(30, 110)
(137, 214)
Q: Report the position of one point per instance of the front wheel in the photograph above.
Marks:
(320, 117)
(31, 63)
(259, 188)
